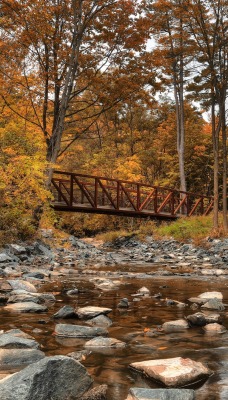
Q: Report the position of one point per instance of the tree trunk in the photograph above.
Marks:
(215, 138)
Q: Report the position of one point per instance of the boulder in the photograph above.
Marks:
(91, 312)
(9, 341)
(56, 378)
(173, 372)
(174, 326)
(100, 320)
(16, 249)
(16, 357)
(214, 304)
(77, 331)
(65, 312)
(214, 328)
(25, 307)
(22, 285)
(105, 342)
(160, 394)
(211, 295)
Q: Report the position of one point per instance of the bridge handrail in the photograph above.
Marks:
(132, 183)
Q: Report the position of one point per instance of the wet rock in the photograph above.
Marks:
(74, 331)
(25, 307)
(197, 319)
(214, 304)
(9, 341)
(105, 342)
(123, 303)
(91, 312)
(173, 372)
(100, 320)
(57, 377)
(215, 328)
(211, 318)
(197, 300)
(18, 333)
(97, 393)
(16, 357)
(174, 326)
(79, 355)
(72, 292)
(160, 394)
(211, 295)
(22, 285)
(143, 290)
(106, 284)
(65, 312)
(23, 297)
(34, 275)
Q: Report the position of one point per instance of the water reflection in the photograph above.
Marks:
(111, 366)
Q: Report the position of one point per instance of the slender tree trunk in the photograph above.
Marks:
(224, 177)
(215, 138)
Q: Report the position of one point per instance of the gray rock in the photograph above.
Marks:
(214, 304)
(74, 331)
(123, 303)
(34, 275)
(22, 285)
(23, 297)
(65, 312)
(174, 326)
(161, 394)
(197, 319)
(16, 357)
(100, 320)
(18, 333)
(105, 342)
(16, 249)
(9, 341)
(4, 258)
(55, 378)
(91, 311)
(25, 307)
(173, 372)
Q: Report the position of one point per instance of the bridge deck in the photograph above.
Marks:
(101, 195)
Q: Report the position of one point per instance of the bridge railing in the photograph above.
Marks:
(96, 193)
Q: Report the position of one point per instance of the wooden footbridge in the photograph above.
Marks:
(102, 195)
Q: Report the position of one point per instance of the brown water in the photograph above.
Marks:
(111, 366)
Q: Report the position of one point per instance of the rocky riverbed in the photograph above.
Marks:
(129, 320)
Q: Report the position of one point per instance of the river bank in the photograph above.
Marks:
(143, 284)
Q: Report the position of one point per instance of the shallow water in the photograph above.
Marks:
(112, 366)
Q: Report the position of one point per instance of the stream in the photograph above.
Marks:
(111, 366)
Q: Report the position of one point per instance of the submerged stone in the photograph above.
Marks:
(74, 331)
